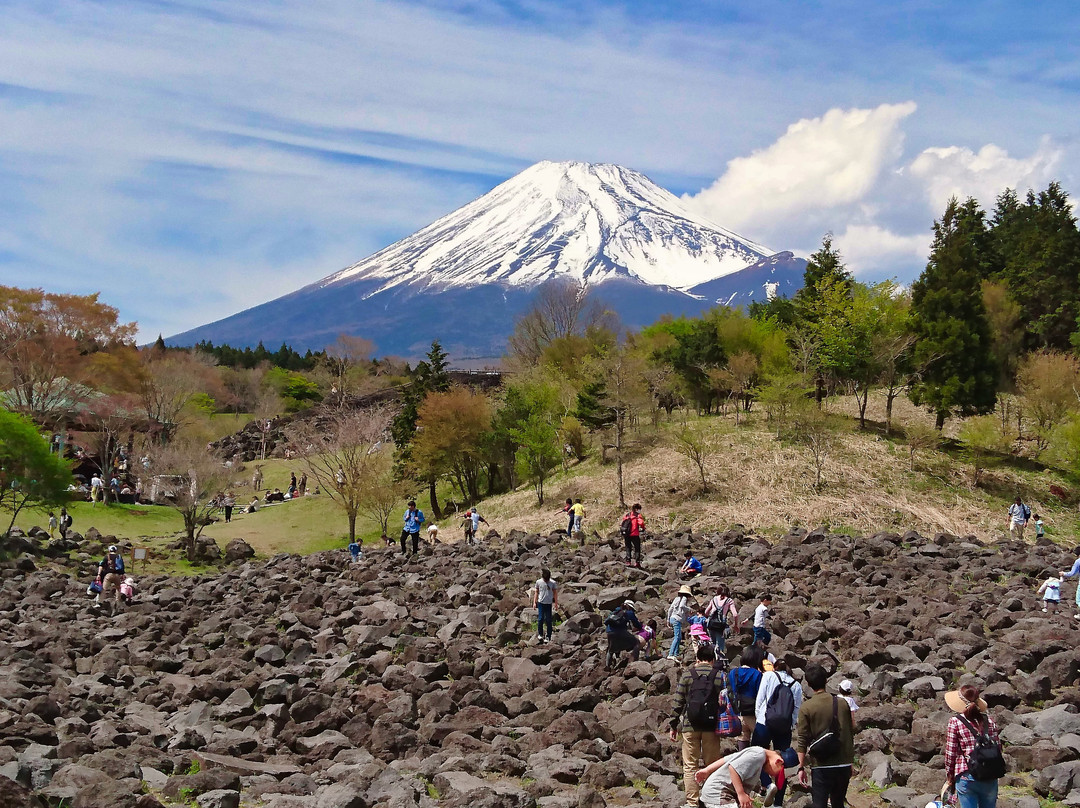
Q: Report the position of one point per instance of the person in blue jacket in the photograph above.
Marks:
(1074, 572)
(414, 518)
(743, 683)
(691, 567)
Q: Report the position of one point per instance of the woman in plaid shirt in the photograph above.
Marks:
(960, 743)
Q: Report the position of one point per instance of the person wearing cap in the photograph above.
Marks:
(724, 783)
(830, 773)
(960, 739)
(618, 627)
(677, 615)
(110, 573)
(698, 742)
(847, 692)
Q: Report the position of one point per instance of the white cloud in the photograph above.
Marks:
(960, 172)
(870, 248)
(818, 163)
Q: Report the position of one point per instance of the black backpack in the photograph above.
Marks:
(703, 700)
(627, 526)
(986, 761)
(780, 709)
(1027, 515)
(718, 619)
(617, 621)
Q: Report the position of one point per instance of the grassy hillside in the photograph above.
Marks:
(754, 479)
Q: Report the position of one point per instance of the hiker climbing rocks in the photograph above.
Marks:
(632, 528)
(678, 615)
(825, 739)
(775, 714)
(545, 599)
(973, 759)
(414, 518)
(1019, 514)
(723, 616)
(618, 627)
(743, 683)
(691, 567)
(110, 573)
(694, 715)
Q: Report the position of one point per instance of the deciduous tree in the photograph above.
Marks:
(31, 476)
(451, 430)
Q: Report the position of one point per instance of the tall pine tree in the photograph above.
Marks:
(1036, 251)
(949, 319)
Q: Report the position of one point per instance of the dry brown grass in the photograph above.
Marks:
(768, 486)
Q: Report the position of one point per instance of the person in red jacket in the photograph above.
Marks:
(633, 528)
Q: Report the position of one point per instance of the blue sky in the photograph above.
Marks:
(190, 159)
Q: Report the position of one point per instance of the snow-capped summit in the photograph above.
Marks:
(592, 222)
(465, 278)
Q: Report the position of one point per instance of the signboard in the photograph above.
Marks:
(138, 554)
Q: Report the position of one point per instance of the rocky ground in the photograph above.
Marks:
(313, 682)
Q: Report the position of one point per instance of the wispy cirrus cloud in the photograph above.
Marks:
(190, 158)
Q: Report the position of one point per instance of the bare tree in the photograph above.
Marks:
(344, 358)
(816, 430)
(623, 394)
(343, 454)
(385, 493)
(693, 443)
(166, 384)
(562, 307)
(186, 476)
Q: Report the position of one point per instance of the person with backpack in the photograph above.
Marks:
(110, 573)
(1019, 514)
(694, 715)
(775, 714)
(414, 517)
(632, 529)
(678, 614)
(618, 627)
(743, 684)
(973, 759)
(723, 614)
(825, 739)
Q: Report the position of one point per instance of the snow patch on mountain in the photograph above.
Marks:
(591, 222)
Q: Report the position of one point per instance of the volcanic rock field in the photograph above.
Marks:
(313, 682)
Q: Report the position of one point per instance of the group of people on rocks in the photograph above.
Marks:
(413, 521)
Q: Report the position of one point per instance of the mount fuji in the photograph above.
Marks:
(466, 277)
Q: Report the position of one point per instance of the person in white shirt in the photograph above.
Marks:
(761, 616)
(1019, 513)
(847, 691)
(545, 599)
(433, 533)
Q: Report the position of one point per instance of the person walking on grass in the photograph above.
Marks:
(578, 512)
(694, 716)
(414, 518)
(830, 761)
(678, 616)
(52, 525)
(1019, 514)
(545, 599)
(632, 529)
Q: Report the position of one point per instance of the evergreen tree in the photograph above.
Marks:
(825, 263)
(1036, 251)
(949, 318)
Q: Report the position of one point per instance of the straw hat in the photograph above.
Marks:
(957, 703)
(686, 590)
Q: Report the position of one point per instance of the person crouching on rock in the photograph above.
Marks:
(128, 590)
(617, 625)
(646, 642)
(724, 782)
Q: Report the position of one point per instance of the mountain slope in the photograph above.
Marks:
(466, 277)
